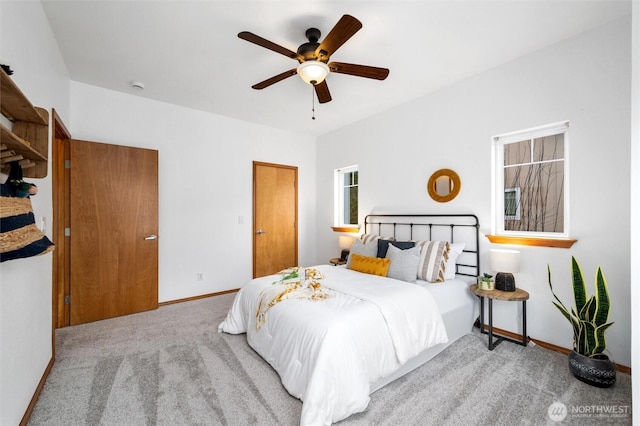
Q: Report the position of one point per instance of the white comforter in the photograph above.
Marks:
(328, 352)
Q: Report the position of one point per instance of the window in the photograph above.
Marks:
(512, 203)
(346, 197)
(531, 196)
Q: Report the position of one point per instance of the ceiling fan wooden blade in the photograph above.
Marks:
(346, 27)
(263, 42)
(322, 92)
(268, 82)
(359, 70)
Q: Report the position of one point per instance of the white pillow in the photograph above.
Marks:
(455, 249)
(358, 247)
(404, 263)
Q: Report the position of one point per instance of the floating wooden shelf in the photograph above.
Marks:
(350, 229)
(28, 140)
(527, 241)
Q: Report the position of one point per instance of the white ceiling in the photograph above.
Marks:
(188, 53)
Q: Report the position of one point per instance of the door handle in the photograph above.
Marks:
(151, 237)
(260, 231)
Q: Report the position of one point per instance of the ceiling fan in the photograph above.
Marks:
(313, 57)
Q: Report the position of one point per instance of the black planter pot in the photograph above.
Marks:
(596, 371)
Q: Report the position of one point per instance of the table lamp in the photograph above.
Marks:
(505, 263)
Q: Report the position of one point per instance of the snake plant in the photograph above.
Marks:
(589, 317)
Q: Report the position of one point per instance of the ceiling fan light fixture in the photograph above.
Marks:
(313, 72)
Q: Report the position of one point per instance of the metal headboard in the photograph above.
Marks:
(454, 228)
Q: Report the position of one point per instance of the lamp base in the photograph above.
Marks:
(344, 254)
(505, 282)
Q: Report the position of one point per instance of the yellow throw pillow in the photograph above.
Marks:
(370, 265)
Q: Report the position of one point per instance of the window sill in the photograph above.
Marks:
(351, 229)
(528, 241)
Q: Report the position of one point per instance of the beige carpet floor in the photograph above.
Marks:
(171, 367)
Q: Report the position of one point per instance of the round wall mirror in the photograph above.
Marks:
(443, 185)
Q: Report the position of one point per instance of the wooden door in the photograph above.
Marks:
(275, 218)
(61, 180)
(114, 223)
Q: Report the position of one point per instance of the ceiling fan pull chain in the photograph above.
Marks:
(313, 103)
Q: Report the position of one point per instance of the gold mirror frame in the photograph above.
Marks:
(454, 182)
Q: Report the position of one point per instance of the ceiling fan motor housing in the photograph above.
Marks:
(308, 50)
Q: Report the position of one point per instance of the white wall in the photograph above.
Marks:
(26, 41)
(635, 206)
(585, 80)
(205, 183)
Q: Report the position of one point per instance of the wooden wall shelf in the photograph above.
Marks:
(28, 139)
(528, 241)
(349, 229)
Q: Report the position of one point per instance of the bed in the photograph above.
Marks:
(335, 343)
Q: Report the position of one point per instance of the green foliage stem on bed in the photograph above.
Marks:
(589, 317)
(292, 274)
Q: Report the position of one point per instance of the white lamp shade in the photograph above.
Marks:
(313, 72)
(345, 242)
(505, 261)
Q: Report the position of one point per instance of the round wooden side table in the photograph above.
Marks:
(518, 295)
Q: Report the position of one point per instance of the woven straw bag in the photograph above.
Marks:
(19, 235)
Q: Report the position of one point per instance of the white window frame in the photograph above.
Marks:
(339, 219)
(497, 179)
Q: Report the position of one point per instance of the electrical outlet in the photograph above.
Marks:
(200, 276)
(240, 220)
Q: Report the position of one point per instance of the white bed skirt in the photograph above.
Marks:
(459, 311)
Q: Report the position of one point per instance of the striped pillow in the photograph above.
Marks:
(433, 259)
(367, 238)
(370, 265)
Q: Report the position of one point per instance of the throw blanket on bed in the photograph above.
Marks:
(296, 283)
